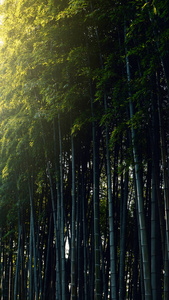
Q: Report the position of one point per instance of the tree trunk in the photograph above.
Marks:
(96, 207)
(63, 283)
(155, 194)
(32, 227)
(30, 264)
(73, 254)
(17, 261)
(47, 259)
(111, 219)
(58, 221)
(165, 176)
(123, 240)
(166, 203)
(140, 200)
(84, 235)
(55, 228)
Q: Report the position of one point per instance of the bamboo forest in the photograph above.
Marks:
(84, 150)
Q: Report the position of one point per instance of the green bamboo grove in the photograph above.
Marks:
(84, 150)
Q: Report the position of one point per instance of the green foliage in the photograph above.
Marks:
(61, 58)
